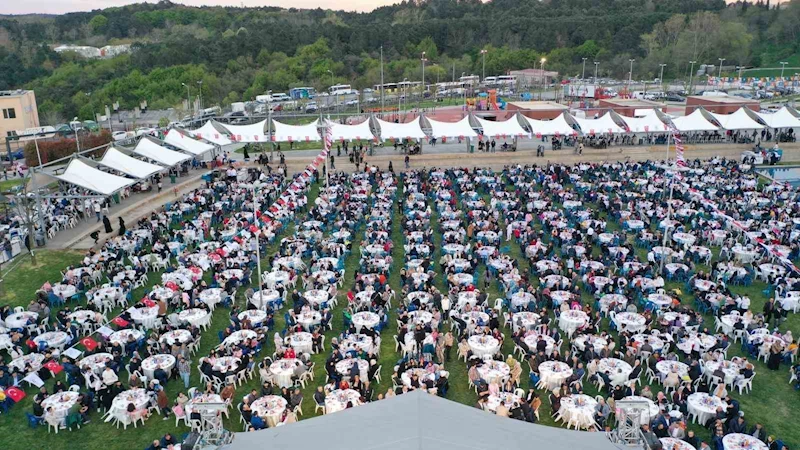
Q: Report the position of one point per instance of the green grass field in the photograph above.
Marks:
(769, 403)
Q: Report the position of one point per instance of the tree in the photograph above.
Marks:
(98, 24)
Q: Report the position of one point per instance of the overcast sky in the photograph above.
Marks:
(64, 6)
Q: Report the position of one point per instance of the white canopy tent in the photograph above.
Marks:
(295, 133)
(410, 130)
(695, 121)
(506, 128)
(647, 121)
(255, 132)
(357, 132)
(121, 162)
(556, 127)
(781, 118)
(602, 125)
(739, 120)
(460, 129)
(158, 153)
(187, 143)
(81, 174)
(210, 133)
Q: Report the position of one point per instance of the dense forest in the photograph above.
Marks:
(239, 53)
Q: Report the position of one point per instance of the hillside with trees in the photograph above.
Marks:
(239, 53)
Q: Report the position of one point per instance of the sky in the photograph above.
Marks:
(65, 6)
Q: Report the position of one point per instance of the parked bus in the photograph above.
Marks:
(340, 89)
(470, 80)
(302, 92)
(507, 80)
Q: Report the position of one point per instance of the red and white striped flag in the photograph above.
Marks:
(680, 159)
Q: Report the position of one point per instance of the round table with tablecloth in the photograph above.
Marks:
(555, 280)
(337, 400)
(119, 406)
(283, 370)
(740, 441)
(494, 371)
(560, 297)
(467, 297)
(83, 315)
(606, 300)
(661, 300)
(571, 320)
(343, 367)
(255, 316)
(64, 290)
(52, 339)
(525, 319)
(264, 297)
(553, 373)
(482, 346)
(578, 409)
(301, 341)
(145, 316)
(630, 321)
(729, 368)
(178, 337)
(668, 443)
(239, 336)
(365, 319)
(274, 278)
(197, 404)
(59, 404)
(545, 265)
(652, 410)
(316, 297)
(34, 360)
(309, 319)
(194, 316)
(532, 339)
(463, 279)
(613, 366)
(357, 342)
(212, 296)
(684, 239)
(270, 408)
(96, 362)
(421, 296)
(150, 364)
(702, 340)
(729, 320)
(507, 398)
(20, 320)
(121, 337)
(665, 367)
(598, 343)
(703, 406)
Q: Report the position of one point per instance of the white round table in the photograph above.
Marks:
(176, 337)
(631, 321)
(494, 371)
(256, 316)
(652, 407)
(121, 337)
(34, 360)
(357, 342)
(525, 319)
(598, 343)
(301, 341)
(570, 321)
(96, 362)
(614, 366)
(238, 337)
(337, 400)
(703, 406)
(483, 346)
(144, 315)
(532, 339)
(264, 297)
(282, 371)
(669, 443)
(52, 339)
(506, 398)
(20, 320)
(553, 373)
(308, 319)
(211, 296)
(194, 316)
(59, 404)
(164, 362)
(740, 441)
(270, 408)
(578, 409)
(316, 297)
(729, 368)
(343, 367)
(365, 319)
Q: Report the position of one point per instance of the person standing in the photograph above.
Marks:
(97, 210)
(448, 344)
(122, 228)
(407, 161)
(107, 225)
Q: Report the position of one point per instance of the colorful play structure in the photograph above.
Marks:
(487, 101)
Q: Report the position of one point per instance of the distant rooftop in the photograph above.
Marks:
(632, 103)
(539, 106)
(13, 93)
(723, 99)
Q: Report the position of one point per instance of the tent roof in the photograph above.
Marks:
(695, 121)
(210, 133)
(121, 162)
(81, 174)
(602, 125)
(781, 118)
(162, 155)
(410, 130)
(186, 142)
(462, 128)
(295, 133)
(739, 120)
(510, 127)
(248, 133)
(558, 126)
(343, 132)
(646, 122)
(420, 421)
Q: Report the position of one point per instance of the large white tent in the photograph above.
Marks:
(295, 133)
(739, 120)
(121, 162)
(410, 130)
(255, 132)
(647, 122)
(460, 129)
(158, 153)
(601, 125)
(356, 132)
(81, 174)
(556, 127)
(210, 133)
(506, 128)
(695, 121)
(187, 143)
(781, 118)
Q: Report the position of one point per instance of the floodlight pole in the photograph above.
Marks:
(257, 232)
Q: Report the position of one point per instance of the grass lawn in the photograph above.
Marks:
(769, 403)
(6, 185)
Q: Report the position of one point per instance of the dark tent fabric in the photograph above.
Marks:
(417, 420)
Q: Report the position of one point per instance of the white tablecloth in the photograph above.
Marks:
(482, 346)
(194, 316)
(239, 336)
(60, 403)
(176, 337)
(144, 315)
(53, 339)
(149, 365)
(338, 399)
(578, 408)
(631, 321)
(739, 441)
(301, 342)
(96, 362)
(264, 297)
(704, 406)
(365, 319)
(730, 368)
(19, 320)
(343, 367)
(525, 319)
(553, 373)
(283, 370)
(356, 342)
(571, 320)
(256, 316)
(270, 408)
(121, 336)
(309, 319)
(507, 398)
(496, 371)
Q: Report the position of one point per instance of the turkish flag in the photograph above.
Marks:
(15, 393)
(149, 303)
(89, 343)
(54, 367)
(120, 321)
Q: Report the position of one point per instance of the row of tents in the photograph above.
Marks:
(151, 156)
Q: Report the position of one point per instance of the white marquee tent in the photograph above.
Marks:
(506, 128)
(162, 155)
(695, 121)
(602, 125)
(410, 130)
(255, 132)
(81, 174)
(295, 133)
(121, 162)
(556, 127)
(343, 132)
(210, 133)
(187, 143)
(460, 129)
(781, 118)
(739, 120)
(648, 122)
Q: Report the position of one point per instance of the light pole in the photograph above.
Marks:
(783, 66)
(483, 60)
(336, 100)
(583, 72)
(596, 64)
(422, 92)
(630, 76)
(721, 60)
(383, 88)
(77, 140)
(543, 60)
(661, 76)
(691, 74)
(188, 99)
(258, 231)
(200, 88)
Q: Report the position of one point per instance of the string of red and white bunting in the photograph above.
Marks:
(680, 158)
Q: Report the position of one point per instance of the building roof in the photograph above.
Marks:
(537, 72)
(418, 421)
(539, 106)
(14, 93)
(632, 103)
(722, 99)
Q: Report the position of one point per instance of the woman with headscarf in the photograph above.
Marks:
(107, 224)
(122, 228)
